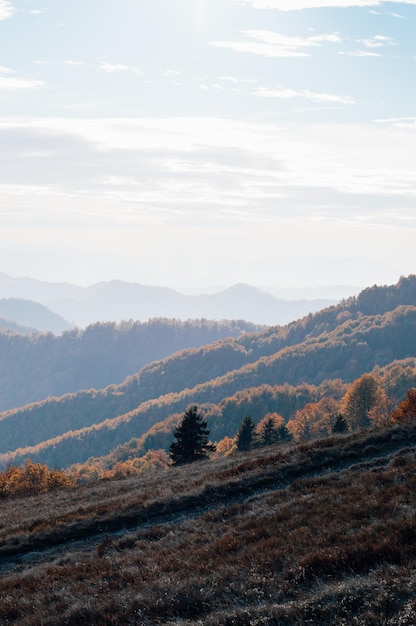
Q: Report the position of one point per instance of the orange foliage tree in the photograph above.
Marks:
(32, 478)
(225, 447)
(362, 396)
(381, 414)
(406, 411)
(316, 419)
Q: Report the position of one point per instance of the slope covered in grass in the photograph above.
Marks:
(321, 533)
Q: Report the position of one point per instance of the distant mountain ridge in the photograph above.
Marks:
(31, 315)
(118, 300)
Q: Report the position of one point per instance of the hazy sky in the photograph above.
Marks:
(208, 142)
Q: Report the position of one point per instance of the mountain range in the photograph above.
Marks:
(118, 300)
(277, 369)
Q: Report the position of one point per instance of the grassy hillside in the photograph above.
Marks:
(39, 366)
(319, 533)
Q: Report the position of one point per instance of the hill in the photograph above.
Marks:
(32, 314)
(319, 533)
(38, 366)
(9, 325)
(291, 365)
(117, 300)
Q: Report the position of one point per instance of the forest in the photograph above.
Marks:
(35, 366)
(282, 369)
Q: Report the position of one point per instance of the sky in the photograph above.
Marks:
(196, 143)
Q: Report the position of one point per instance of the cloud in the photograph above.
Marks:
(397, 15)
(370, 44)
(9, 82)
(272, 44)
(399, 122)
(378, 41)
(116, 189)
(215, 165)
(360, 53)
(265, 92)
(229, 79)
(262, 49)
(6, 10)
(111, 68)
(293, 5)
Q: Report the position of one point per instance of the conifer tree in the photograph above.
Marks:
(340, 425)
(269, 433)
(284, 434)
(191, 439)
(245, 434)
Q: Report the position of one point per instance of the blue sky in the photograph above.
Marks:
(208, 142)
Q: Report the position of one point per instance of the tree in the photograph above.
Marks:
(340, 425)
(284, 434)
(362, 395)
(245, 434)
(381, 414)
(301, 424)
(268, 433)
(315, 419)
(271, 430)
(191, 439)
(225, 447)
(406, 411)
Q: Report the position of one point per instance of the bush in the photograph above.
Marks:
(32, 478)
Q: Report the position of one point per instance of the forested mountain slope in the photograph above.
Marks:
(37, 366)
(340, 342)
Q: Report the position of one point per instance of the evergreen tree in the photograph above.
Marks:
(284, 434)
(272, 429)
(340, 425)
(245, 434)
(269, 433)
(191, 439)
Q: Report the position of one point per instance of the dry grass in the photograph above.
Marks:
(323, 533)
